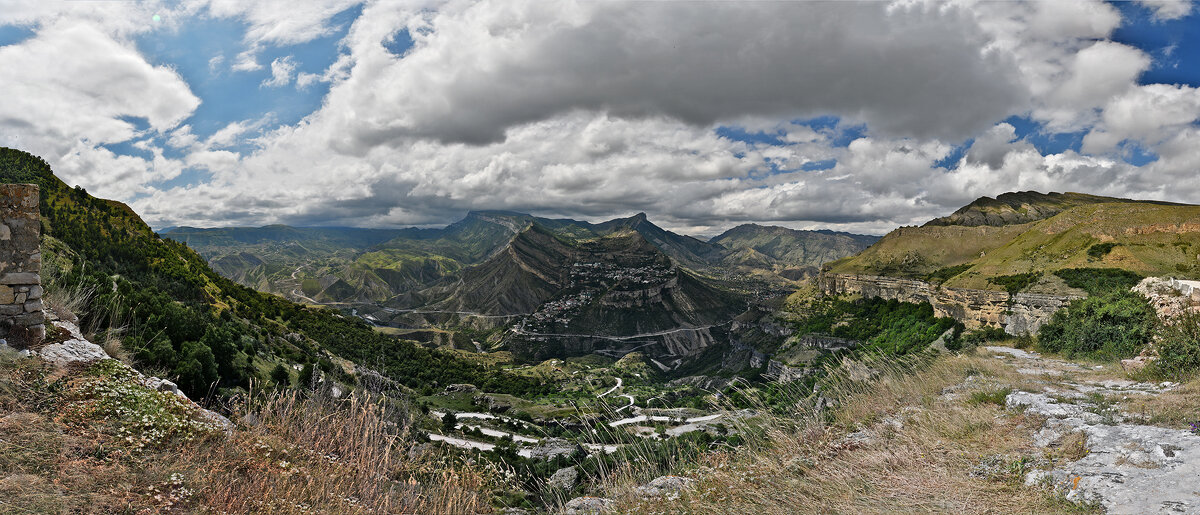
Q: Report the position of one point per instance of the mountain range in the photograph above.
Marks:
(331, 265)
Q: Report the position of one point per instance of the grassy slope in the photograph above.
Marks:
(161, 286)
(94, 440)
(1151, 239)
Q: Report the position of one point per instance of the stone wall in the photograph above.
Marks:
(1019, 314)
(20, 261)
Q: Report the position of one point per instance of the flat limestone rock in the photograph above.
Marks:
(71, 351)
(1129, 468)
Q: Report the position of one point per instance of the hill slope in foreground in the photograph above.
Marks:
(1032, 233)
(162, 304)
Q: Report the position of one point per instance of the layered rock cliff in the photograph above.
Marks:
(1018, 314)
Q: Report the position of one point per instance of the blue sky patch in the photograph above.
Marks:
(741, 134)
(956, 154)
(824, 164)
(202, 52)
(1045, 142)
(400, 43)
(13, 34)
(1174, 45)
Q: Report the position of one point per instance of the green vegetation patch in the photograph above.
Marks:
(1016, 282)
(310, 287)
(1099, 250)
(942, 275)
(995, 396)
(1099, 280)
(1109, 326)
(141, 418)
(1179, 349)
(890, 326)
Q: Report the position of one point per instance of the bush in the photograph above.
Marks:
(971, 339)
(1016, 282)
(996, 396)
(1109, 326)
(942, 275)
(1099, 280)
(281, 376)
(1100, 250)
(1179, 349)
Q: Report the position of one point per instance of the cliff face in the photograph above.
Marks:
(1019, 314)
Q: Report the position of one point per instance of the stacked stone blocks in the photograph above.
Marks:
(20, 261)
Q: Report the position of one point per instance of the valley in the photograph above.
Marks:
(555, 347)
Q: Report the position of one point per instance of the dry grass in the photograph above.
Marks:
(1177, 408)
(301, 455)
(345, 457)
(925, 440)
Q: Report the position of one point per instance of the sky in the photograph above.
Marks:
(850, 116)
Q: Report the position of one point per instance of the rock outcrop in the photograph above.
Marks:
(1018, 314)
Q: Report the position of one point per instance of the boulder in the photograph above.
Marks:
(552, 447)
(71, 351)
(588, 506)
(564, 478)
(164, 385)
(667, 487)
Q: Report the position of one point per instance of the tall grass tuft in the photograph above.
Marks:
(297, 452)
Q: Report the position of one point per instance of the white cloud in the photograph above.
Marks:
(277, 23)
(73, 87)
(1149, 114)
(281, 72)
(478, 69)
(1168, 9)
(594, 110)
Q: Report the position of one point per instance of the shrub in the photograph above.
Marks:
(942, 275)
(978, 337)
(1179, 348)
(1016, 282)
(1099, 280)
(281, 376)
(1112, 325)
(1099, 250)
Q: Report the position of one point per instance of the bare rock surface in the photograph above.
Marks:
(1130, 468)
(588, 506)
(669, 487)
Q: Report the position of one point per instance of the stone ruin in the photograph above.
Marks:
(20, 264)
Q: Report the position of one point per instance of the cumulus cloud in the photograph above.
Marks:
(479, 69)
(72, 88)
(276, 23)
(1149, 115)
(594, 110)
(281, 72)
(600, 109)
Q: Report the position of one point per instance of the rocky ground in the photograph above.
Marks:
(1129, 466)
(998, 430)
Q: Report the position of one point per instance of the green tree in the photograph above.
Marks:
(1179, 348)
(281, 376)
(197, 368)
(449, 420)
(306, 376)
